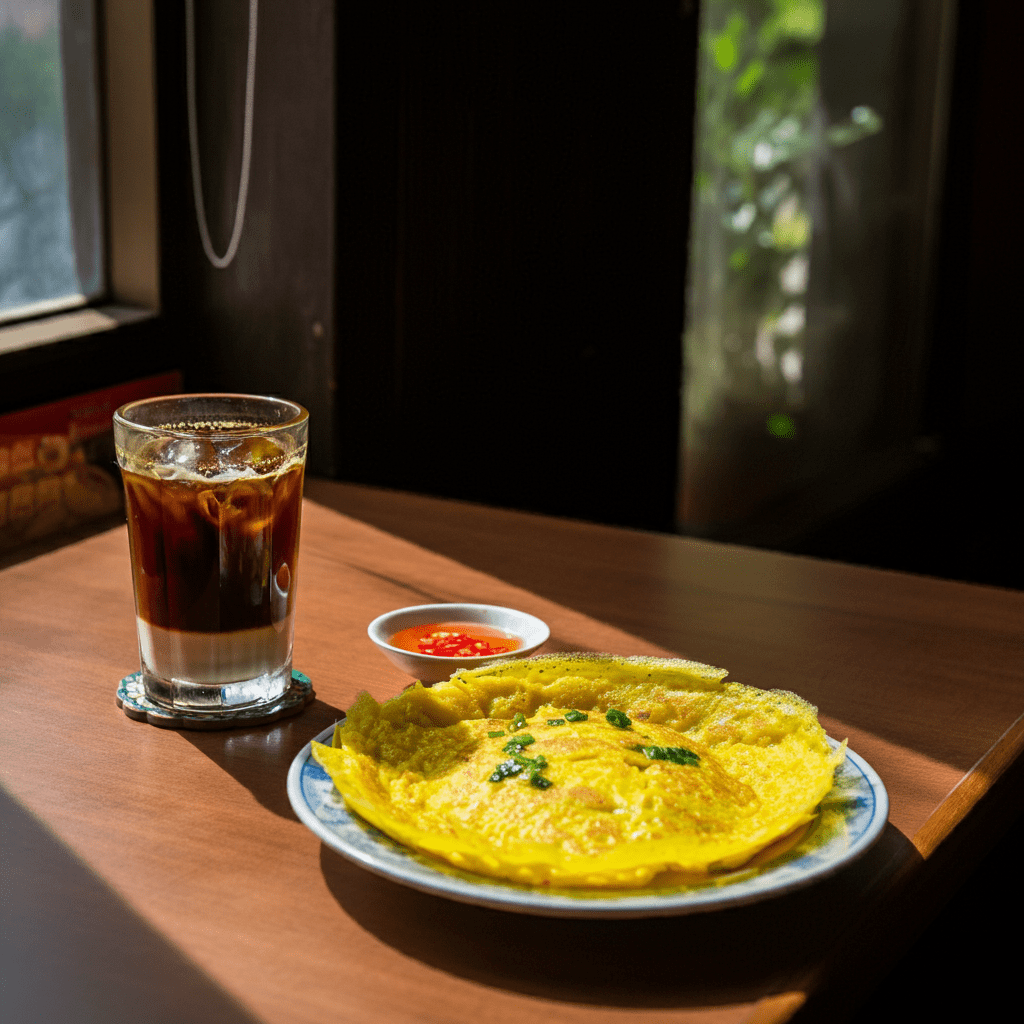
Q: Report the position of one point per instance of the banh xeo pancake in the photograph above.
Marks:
(584, 770)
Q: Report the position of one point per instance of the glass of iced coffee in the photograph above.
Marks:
(213, 485)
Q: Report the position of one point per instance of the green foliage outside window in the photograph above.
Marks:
(760, 127)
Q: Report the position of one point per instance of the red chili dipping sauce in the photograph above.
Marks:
(456, 640)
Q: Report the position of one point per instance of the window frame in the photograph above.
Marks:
(127, 77)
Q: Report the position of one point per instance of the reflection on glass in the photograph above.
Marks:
(802, 146)
(49, 213)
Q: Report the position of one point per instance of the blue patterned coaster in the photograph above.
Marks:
(132, 700)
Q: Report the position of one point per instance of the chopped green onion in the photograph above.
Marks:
(576, 716)
(517, 743)
(540, 761)
(518, 722)
(519, 762)
(677, 755)
(556, 721)
(618, 718)
(504, 770)
(495, 735)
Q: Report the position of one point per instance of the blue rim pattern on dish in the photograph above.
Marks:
(852, 817)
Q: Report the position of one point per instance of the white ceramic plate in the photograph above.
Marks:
(852, 817)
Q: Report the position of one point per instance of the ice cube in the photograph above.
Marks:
(208, 503)
(186, 456)
(247, 507)
(261, 455)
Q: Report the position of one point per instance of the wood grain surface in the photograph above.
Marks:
(163, 872)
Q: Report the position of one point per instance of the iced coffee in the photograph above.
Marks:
(213, 487)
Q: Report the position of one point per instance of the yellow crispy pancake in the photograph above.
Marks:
(584, 770)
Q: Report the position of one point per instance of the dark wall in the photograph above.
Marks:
(465, 239)
(465, 252)
(265, 323)
(513, 186)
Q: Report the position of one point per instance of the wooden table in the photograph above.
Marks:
(162, 875)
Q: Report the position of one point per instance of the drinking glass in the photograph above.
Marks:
(213, 487)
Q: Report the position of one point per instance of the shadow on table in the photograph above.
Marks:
(72, 949)
(259, 756)
(714, 958)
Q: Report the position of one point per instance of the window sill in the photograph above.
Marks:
(65, 326)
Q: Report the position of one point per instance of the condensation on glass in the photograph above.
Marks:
(51, 245)
(818, 157)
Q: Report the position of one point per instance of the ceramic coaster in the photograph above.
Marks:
(132, 700)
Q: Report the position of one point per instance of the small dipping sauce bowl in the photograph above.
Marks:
(432, 668)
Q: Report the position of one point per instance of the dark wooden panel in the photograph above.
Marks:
(513, 195)
(264, 324)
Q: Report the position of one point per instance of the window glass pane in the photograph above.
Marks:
(819, 137)
(50, 240)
